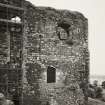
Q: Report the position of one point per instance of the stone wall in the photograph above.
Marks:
(13, 2)
(11, 48)
(52, 38)
(4, 48)
(59, 39)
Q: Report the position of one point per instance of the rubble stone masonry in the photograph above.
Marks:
(52, 52)
(55, 40)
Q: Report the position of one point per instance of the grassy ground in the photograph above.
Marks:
(95, 102)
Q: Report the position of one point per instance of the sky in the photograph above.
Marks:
(94, 11)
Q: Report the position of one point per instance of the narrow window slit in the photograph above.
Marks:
(51, 74)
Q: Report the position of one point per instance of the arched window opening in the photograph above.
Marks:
(51, 74)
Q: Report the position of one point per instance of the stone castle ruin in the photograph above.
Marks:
(44, 57)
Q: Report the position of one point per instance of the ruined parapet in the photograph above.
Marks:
(56, 58)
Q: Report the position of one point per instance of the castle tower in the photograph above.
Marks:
(56, 57)
(44, 57)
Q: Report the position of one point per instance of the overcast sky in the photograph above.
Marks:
(94, 10)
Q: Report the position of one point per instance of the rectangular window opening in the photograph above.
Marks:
(51, 74)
